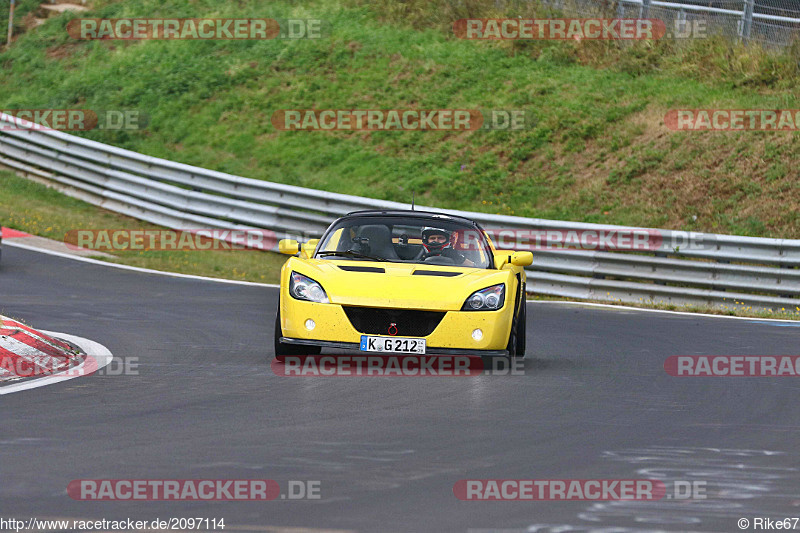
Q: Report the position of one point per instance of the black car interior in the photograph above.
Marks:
(399, 243)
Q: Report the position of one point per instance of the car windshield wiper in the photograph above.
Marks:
(352, 253)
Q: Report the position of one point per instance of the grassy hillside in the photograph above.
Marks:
(599, 151)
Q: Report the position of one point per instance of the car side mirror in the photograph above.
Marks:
(522, 259)
(288, 246)
(506, 257)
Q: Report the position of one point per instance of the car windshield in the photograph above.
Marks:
(440, 240)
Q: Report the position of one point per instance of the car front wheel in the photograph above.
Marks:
(522, 326)
(282, 349)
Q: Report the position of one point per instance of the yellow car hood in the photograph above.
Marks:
(398, 286)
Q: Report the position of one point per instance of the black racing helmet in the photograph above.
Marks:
(435, 247)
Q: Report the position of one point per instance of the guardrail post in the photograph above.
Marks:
(664, 255)
(747, 20)
(782, 266)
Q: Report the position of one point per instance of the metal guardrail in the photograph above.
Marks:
(677, 267)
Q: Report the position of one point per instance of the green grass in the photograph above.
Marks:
(599, 151)
(36, 209)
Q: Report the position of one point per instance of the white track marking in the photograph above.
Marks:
(136, 269)
(98, 352)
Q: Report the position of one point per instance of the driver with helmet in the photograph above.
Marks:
(440, 242)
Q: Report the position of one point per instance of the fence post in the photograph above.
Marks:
(644, 12)
(681, 22)
(747, 19)
(10, 23)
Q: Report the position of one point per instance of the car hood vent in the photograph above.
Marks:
(442, 273)
(361, 269)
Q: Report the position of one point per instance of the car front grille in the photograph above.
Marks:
(409, 323)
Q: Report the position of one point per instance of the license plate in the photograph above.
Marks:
(392, 344)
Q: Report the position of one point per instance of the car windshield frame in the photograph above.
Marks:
(392, 221)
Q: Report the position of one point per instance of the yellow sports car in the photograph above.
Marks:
(402, 282)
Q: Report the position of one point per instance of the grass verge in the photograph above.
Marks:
(39, 210)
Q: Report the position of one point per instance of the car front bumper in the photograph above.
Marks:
(356, 347)
(453, 334)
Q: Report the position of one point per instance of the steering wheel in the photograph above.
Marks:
(439, 260)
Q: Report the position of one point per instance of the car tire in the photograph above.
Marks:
(522, 320)
(511, 348)
(282, 349)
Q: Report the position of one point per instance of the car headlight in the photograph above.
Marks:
(488, 299)
(305, 288)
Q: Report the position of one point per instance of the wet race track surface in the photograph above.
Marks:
(594, 402)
